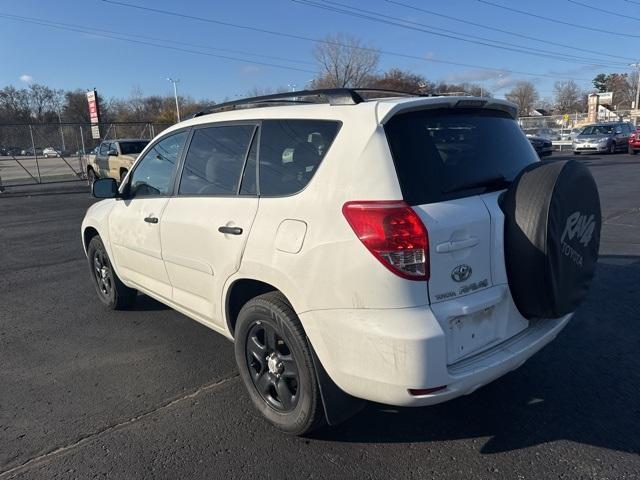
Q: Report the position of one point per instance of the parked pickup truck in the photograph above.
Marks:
(114, 158)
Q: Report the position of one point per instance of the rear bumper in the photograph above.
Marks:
(378, 355)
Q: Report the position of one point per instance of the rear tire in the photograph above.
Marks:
(632, 151)
(123, 173)
(576, 153)
(612, 148)
(111, 291)
(276, 364)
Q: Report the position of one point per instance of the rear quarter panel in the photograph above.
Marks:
(333, 269)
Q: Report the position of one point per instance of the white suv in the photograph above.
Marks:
(403, 250)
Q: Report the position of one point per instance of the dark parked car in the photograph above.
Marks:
(31, 152)
(543, 147)
(12, 151)
(543, 132)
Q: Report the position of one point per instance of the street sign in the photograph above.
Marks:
(605, 98)
(94, 113)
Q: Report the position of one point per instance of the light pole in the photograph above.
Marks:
(637, 67)
(61, 131)
(175, 94)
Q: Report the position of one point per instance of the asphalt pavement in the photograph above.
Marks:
(149, 393)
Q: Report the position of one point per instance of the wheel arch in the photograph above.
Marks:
(87, 234)
(337, 404)
(239, 292)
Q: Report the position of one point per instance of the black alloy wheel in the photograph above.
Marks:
(102, 274)
(276, 364)
(273, 367)
(111, 291)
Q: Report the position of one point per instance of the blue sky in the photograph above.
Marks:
(74, 59)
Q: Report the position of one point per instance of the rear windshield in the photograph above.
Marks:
(435, 151)
(131, 148)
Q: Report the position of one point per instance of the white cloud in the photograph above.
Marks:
(26, 78)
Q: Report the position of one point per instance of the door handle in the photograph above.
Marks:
(151, 219)
(230, 230)
(447, 247)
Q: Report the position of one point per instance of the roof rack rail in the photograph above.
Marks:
(332, 96)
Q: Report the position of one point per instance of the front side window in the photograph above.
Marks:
(214, 161)
(104, 148)
(154, 173)
(291, 152)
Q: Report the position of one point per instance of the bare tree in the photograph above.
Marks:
(622, 85)
(568, 97)
(44, 100)
(344, 61)
(464, 88)
(401, 80)
(524, 95)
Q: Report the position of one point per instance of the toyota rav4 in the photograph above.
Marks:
(354, 246)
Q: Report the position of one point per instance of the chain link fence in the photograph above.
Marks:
(560, 125)
(56, 152)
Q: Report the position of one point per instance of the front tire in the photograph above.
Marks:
(612, 148)
(111, 291)
(276, 364)
(91, 178)
(632, 151)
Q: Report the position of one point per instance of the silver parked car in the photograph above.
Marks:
(602, 138)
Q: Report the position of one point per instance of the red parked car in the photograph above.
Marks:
(634, 142)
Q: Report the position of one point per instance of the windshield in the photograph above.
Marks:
(132, 148)
(450, 153)
(597, 130)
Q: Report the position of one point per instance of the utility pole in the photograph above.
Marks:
(61, 131)
(175, 94)
(637, 67)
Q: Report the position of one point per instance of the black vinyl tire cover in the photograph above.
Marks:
(551, 236)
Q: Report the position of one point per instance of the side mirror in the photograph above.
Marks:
(105, 188)
(112, 153)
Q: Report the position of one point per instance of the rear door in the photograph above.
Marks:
(206, 225)
(448, 161)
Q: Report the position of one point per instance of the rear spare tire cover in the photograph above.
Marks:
(552, 236)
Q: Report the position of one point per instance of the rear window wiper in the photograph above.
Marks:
(499, 181)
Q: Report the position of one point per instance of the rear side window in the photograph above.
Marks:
(291, 152)
(436, 151)
(131, 148)
(215, 159)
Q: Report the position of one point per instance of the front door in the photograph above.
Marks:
(206, 225)
(134, 223)
(102, 160)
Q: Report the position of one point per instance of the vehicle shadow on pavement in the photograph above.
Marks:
(583, 387)
(145, 303)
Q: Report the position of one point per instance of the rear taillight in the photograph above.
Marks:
(394, 233)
